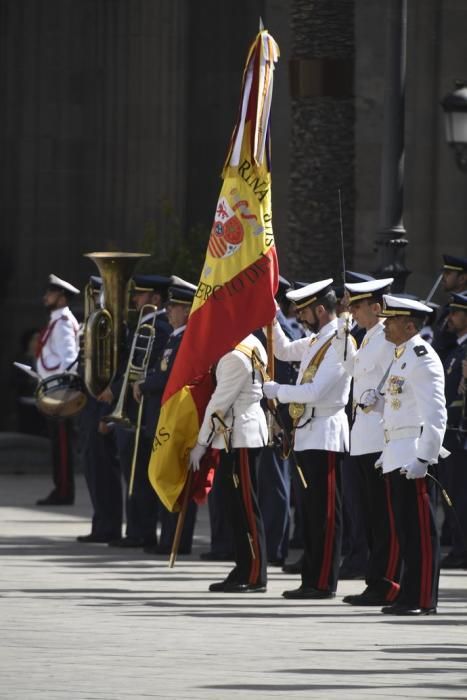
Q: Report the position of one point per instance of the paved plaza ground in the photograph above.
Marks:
(86, 622)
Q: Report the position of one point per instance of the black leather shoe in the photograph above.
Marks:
(399, 609)
(454, 561)
(293, 568)
(276, 562)
(99, 539)
(305, 593)
(364, 598)
(53, 500)
(214, 556)
(235, 587)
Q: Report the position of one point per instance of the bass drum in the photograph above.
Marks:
(61, 395)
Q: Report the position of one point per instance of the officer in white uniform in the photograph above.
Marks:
(317, 404)
(58, 353)
(368, 366)
(414, 414)
(234, 423)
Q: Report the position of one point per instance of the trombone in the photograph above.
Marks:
(141, 377)
(137, 365)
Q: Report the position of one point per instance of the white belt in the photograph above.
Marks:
(319, 412)
(400, 433)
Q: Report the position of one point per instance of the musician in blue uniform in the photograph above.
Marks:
(180, 299)
(100, 460)
(142, 505)
(454, 281)
(454, 469)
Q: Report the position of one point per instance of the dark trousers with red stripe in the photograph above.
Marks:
(418, 540)
(61, 437)
(322, 517)
(383, 567)
(238, 469)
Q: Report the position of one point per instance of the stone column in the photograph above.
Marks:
(322, 142)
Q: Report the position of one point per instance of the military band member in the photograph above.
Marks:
(414, 414)
(57, 353)
(142, 505)
(368, 366)
(100, 459)
(454, 472)
(317, 404)
(234, 423)
(454, 281)
(180, 300)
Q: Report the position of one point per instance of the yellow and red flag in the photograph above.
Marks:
(235, 294)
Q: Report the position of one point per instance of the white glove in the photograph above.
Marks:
(343, 325)
(373, 400)
(379, 464)
(271, 389)
(196, 455)
(416, 469)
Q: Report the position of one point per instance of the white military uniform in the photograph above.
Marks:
(58, 353)
(320, 437)
(233, 421)
(414, 425)
(236, 401)
(60, 344)
(367, 365)
(414, 406)
(324, 424)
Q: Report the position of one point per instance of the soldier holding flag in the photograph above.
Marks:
(317, 405)
(240, 272)
(234, 422)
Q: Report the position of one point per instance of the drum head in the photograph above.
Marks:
(61, 395)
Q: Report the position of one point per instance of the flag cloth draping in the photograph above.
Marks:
(235, 294)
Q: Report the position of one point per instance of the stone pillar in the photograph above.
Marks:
(322, 142)
(391, 234)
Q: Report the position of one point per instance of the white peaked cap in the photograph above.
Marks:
(365, 290)
(401, 306)
(310, 293)
(57, 282)
(179, 282)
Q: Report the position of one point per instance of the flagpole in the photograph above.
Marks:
(270, 371)
(181, 519)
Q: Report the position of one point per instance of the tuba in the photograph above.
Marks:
(104, 328)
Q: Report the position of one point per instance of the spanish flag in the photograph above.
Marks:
(235, 294)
